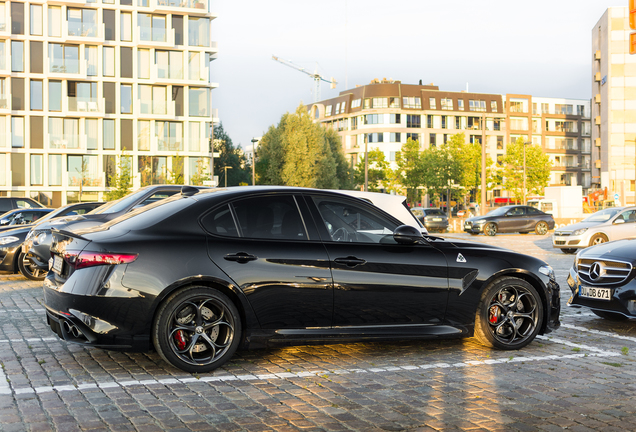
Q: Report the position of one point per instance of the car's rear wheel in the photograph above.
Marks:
(197, 329)
(610, 316)
(29, 270)
(568, 251)
(490, 229)
(541, 228)
(598, 239)
(509, 314)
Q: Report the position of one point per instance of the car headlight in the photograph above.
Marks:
(8, 239)
(39, 238)
(579, 231)
(548, 271)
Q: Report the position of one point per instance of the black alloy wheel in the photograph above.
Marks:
(197, 329)
(610, 316)
(490, 229)
(30, 270)
(509, 314)
(541, 228)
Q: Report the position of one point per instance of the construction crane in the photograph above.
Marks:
(316, 76)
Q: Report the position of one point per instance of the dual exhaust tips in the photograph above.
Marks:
(72, 329)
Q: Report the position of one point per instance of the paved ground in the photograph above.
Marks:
(580, 378)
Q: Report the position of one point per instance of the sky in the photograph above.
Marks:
(536, 47)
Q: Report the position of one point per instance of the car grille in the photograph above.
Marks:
(598, 271)
(559, 242)
(562, 234)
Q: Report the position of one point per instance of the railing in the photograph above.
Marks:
(64, 141)
(83, 104)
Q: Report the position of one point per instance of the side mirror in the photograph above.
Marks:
(406, 234)
(619, 221)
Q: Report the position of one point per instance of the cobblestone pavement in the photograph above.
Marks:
(579, 378)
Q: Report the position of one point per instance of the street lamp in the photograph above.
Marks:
(226, 168)
(524, 170)
(254, 141)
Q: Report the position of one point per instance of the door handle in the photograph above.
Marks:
(240, 257)
(350, 261)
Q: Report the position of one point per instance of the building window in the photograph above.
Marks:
(374, 119)
(169, 136)
(477, 105)
(17, 18)
(447, 104)
(143, 63)
(413, 121)
(63, 133)
(394, 102)
(169, 64)
(36, 170)
(55, 170)
(199, 99)
(109, 24)
(493, 106)
(444, 122)
(433, 139)
(152, 27)
(3, 55)
(412, 102)
(82, 22)
(194, 141)
(126, 99)
(55, 21)
(55, 95)
(496, 124)
(374, 137)
(82, 96)
(458, 122)
(327, 110)
(64, 58)
(125, 62)
(517, 106)
(17, 56)
(413, 136)
(367, 103)
(198, 31)
(432, 103)
(82, 170)
(395, 119)
(152, 99)
(392, 156)
(17, 132)
(177, 26)
(563, 109)
(109, 61)
(460, 104)
(36, 19)
(109, 135)
(90, 52)
(396, 137)
(381, 102)
(356, 103)
(500, 143)
(429, 121)
(337, 109)
(125, 26)
(194, 66)
(91, 127)
(36, 95)
(143, 135)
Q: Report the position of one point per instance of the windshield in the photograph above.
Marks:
(603, 215)
(498, 211)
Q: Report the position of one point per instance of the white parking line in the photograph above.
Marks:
(595, 352)
(21, 310)
(598, 332)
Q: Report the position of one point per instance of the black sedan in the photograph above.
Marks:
(38, 247)
(507, 219)
(434, 219)
(602, 279)
(200, 274)
(13, 218)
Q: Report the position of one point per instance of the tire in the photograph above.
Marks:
(198, 318)
(597, 239)
(29, 270)
(568, 251)
(541, 228)
(524, 232)
(474, 233)
(507, 298)
(490, 229)
(610, 316)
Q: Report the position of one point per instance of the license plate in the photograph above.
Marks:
(595, 293)
(58, 262)
(437, 219)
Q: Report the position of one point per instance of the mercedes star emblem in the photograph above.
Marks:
(596, 271)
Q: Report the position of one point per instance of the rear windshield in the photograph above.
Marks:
(120, 204)
(435, 213)
(150, 215)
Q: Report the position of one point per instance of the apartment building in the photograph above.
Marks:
(81, 82)
(386, 113)
(613, 106)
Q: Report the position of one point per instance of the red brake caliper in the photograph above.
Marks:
(493, 314)
(179, 339)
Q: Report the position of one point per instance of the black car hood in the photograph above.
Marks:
(623, 250)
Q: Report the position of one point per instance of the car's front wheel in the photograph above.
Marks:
(490, 229)
(509, 314)
(30, 270)
(197, 329)
(598, 239)
(568, 251)
(610, 316)
(541, 228)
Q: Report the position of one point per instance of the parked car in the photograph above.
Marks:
(602, 279)
(514, 218)
(12, 240)
(434, 219)
(198, 275)
(38, 250)
(24, 236)
(11, 203)
(12, 218)
(395, 205)
(613, 223)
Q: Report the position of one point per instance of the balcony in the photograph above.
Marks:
(64, 141)
(83, 105)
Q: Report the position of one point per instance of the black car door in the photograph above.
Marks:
(378, 282)
(266, 245)
(514, 220)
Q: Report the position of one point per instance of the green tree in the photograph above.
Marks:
(229, 155)
(121, 180)
(443, 170)
(537, 165)
(201, 173)
(377, 173)
(410, 169)
(175, 173)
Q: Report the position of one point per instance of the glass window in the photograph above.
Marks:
(195, 136)
(90, 51)
(3, 169)
(17, 56)
(199, 101)
(145, 99)
(55, 95)
(198, 31)
(432, 103)
(125, 62)
(109, 24)
(36, 132)
(36, 95)
(109, 134)
(92, 129)
(411, 102)
(177, 25)
(82, 170)
(126, 26)
(169, 136)
(262, 217)
(63, 133)
(17, 132)
(460, 104)
(64, 58)
(194, 66)
(17, 94)
(159, 100)
(55, 21)
(109, 61)
(17, 170)
(17, 18)
(36, 55)
(143, 135)
(447, 104)
(126, 99)
(143, 63)
(55, 170)
(36, 20)
(3, 55)
(36, 170)
(152, 27)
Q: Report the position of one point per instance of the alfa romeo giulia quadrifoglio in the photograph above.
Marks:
(203, 273)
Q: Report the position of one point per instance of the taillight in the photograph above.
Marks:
(90, 259)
